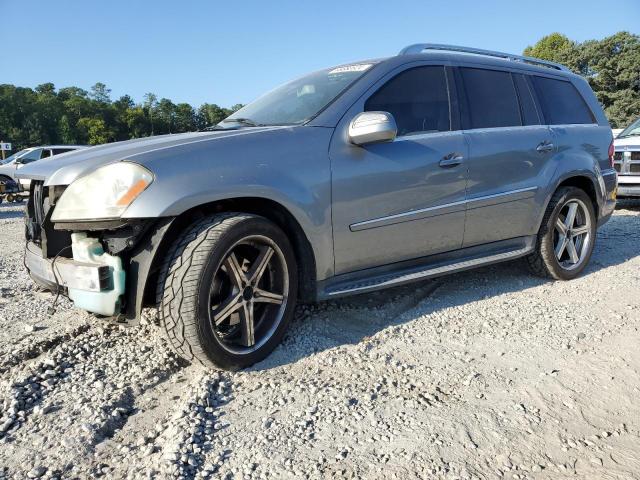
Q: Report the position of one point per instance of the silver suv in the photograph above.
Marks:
(347, 180)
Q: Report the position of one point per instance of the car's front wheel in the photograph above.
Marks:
(566, 237)
(228, 290)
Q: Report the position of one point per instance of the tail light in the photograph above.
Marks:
(612, 152)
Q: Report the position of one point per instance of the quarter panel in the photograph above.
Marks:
(580, 150)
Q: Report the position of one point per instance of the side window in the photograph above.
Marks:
(527, 103)
(46, 153)
(58, 151)
(491, 99)
(32, 156)
(417, 98)
(561, 103)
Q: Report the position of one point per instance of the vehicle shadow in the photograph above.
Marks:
(11, 210)
(628, 204)
(328, 325)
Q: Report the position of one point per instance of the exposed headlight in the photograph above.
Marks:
(103, 194)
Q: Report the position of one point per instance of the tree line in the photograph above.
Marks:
(72, 115)
(611, 65)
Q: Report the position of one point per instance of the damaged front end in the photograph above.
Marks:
(102, 266)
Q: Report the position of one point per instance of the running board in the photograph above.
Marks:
(400, 278)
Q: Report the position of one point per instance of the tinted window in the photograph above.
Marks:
(561, 103)
(46, 153)
(58, 151)
(491, 98)
(527, 103)
(417, 98)
(32, 156)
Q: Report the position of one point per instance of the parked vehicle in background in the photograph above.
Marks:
(616, 131)
(347, 180)
(627, 160)
(10, 165)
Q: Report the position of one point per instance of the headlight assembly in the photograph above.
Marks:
(103, 194)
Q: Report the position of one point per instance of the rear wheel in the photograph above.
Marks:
(566, 237)
(229, 290)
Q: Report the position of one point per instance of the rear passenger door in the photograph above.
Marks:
(509, 152)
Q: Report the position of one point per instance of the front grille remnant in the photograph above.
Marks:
(35, 212)
(39, 228)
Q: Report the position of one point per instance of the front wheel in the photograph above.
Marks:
(228, 290)
(566, 237)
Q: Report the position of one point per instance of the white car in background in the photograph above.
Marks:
(626, 160)
(10, 165)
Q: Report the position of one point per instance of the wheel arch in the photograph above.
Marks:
(267, 208)
(583, 181)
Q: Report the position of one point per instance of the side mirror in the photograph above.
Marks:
(372, 127)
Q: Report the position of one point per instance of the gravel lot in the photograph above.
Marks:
(487, 374)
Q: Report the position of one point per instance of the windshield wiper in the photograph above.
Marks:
(244, 121)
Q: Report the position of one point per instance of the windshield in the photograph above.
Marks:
(631, 131)
(299, 100)
(14, 156)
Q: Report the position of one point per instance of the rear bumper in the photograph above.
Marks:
(629, 185)
(608, 202)
(69, 273)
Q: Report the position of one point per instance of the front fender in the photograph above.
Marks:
(289, 166)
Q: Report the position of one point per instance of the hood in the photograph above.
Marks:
(627, 143)
(65, 168)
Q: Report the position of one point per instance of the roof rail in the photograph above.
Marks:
(421, 47)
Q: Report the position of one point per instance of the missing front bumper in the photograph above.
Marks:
(69, 273)
(93, 280)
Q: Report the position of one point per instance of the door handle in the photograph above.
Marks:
(452, 160)
(544, 147)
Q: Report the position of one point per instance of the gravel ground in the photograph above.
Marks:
(487, 374)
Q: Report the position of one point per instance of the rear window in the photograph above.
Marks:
(491, 98)
(561, 103)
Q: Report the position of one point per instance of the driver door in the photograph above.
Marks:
(404, 199)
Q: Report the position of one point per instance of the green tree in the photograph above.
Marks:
(184, 118)
(95, 130)
(612, 66)
(100, 93)
(555, 47)
(150, 102)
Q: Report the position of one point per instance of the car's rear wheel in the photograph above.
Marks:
(567, 235)
(228, 290)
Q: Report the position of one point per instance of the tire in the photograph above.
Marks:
(224, 300)
(551, 240)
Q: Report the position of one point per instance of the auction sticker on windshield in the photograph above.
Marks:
(358, 67)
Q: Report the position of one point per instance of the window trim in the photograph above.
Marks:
(403, 69)
(533, 100)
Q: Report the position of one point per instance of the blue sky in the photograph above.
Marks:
(231, 52)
